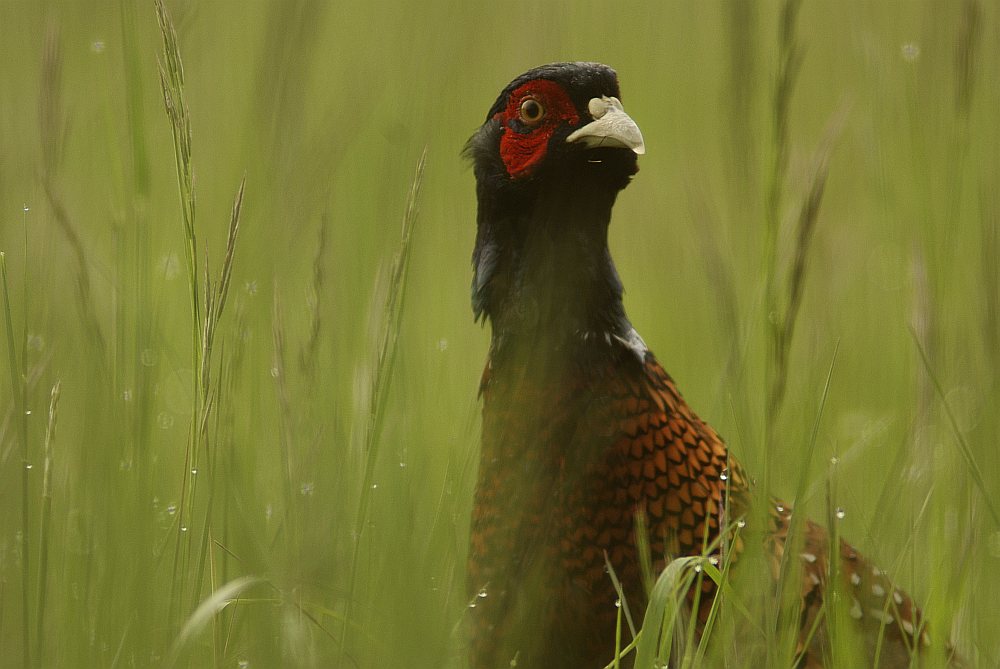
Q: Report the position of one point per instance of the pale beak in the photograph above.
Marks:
(611, 127)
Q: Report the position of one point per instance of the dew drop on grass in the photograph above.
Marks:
(27, 412)
(840, 513)
(618, 603)
(482, 593)
(171, 509)
(184, 528)
(28, 466)
(243, 664)
(741, 523)
(724, 475)
(780, 508)
(697, 569)
(194, 472)
(835, 461)
(274, 372)
(126, 395)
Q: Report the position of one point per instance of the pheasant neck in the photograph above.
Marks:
(546, 276)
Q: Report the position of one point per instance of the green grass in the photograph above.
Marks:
(267, 414)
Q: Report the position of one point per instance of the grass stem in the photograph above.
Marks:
(45, 525)
(385, 356)
(19, 389)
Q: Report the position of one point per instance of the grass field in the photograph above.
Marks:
(254, 445)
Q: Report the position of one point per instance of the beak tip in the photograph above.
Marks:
(611, 127)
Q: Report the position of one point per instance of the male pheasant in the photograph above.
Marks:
(582, 428)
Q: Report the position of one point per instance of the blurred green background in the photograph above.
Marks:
(341, 483)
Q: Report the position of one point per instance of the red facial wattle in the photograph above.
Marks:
(523, 146)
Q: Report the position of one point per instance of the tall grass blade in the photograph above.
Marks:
(171, 71)
(622, 602)
(385, 356)
(18, 389)
(52, 125)
(206, 611)
(789, 63)
(308, 352)
(989, 208)
(227, 263)
(284, 412)
(175, 103)
(788, 582)
(808, 215)
(45, 525)
(963, 446)
(217, 295)
(966, 48)
(667, 603)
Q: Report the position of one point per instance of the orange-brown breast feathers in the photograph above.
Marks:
(678, 468)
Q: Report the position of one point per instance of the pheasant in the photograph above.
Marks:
(582, 429)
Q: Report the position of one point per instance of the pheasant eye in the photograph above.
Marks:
(532, 111)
